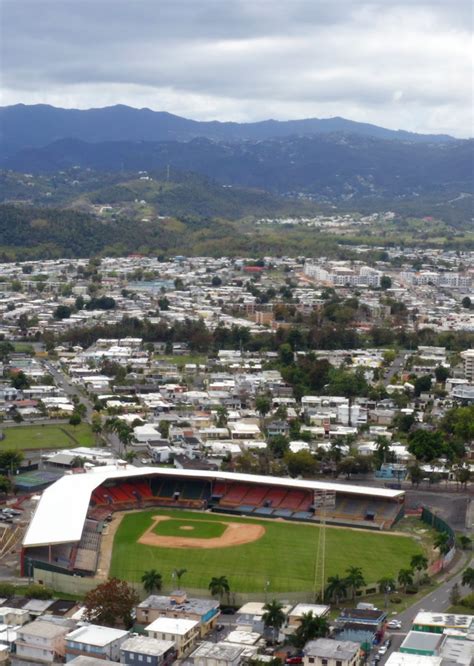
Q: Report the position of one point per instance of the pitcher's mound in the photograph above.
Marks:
(235, 534)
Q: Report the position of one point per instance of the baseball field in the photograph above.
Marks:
(250, 552)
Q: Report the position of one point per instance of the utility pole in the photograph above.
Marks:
(320, 562)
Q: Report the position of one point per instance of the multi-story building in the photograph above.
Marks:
(204, 611)
(329, 652)
(141, 650)
(468, 359)
(40, 642)
(183, 633)
(95, 641)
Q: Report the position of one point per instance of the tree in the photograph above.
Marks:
(355, 579)
(465, 542)
(286, 354)
(455, 594)
(273, 616)
(385, 282)
(178, 574)
(422, 384)
(164, 428)
(5, 484)
(216, 281)
(309, 628)
(10, 460)
(6, 348)
(262, 405)
(96, 426)
(219, 585)
(152, 581)
(442, 542)
(62, 312)
(336, 588)
(427, 446)
(466, 302)
(441, 374)
(468, 577)
(75, 419)
(222, 415)
(419, 563)
(405, 578)
(278, 445)
(110, 603)
(416, 474)
(20, 381)
(301, 463)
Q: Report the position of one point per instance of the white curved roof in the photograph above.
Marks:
(62, 509)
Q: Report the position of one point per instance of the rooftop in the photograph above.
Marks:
(191, 605)
(94, 634)
(327, 648)
(218, 651)
(421, 640)
(172, 625)
(147, 645)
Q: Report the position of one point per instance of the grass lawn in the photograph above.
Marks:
(285, 555)
(54, 436)
(200, 529)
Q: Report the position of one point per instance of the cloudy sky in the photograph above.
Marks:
(397, 63)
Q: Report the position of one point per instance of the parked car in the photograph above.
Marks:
(382, 649)
(294, 660)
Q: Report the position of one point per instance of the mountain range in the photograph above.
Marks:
(328, 160)
(37, 125)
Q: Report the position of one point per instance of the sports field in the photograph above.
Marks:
(282, 553)
(54, 436)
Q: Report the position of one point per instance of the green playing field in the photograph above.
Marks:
(284, 555)
(196, 529)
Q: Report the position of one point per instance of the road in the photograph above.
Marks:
(436, 601)
(396, 367)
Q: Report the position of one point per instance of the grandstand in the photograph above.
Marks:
(65, 532)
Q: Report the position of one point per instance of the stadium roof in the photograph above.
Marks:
(62, 509)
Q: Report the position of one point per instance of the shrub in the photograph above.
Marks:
(468, 601)
(7, 590)
(396, 600)
(411, 589)
(38, 592)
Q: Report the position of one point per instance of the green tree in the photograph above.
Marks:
(278, 445)
(422, 384)
(466, 302)
(286, 354)
(110, 603)
(405, 578)
(218, 586)
(262, 405)
(178, 574)
(62, 312)
(336, 589)
(152, 581)
(427, 446)
(273, 616)
(164, 428)
(5, 484)
(309, 628)
(96, 426)
(468, 577)
(20, 381)
(301, 463)
(465, 542)
(419, 563)
(355, 579)
(416, 475)
(6, 348)
(385, 282)
(75, 419)
(10, 460)
(442, 542)
(441, 374)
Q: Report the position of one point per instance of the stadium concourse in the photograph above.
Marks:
(64, 534)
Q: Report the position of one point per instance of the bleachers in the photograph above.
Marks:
(245, 498)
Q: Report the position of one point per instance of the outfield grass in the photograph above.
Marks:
(284, 556)
(55, 436)
(201, 529)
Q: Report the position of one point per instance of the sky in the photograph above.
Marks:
(403, 64)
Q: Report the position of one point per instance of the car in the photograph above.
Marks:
(220, 627)
(294, 660)
(394, 624)
(227, 611)
(387, 643)
(382, 650)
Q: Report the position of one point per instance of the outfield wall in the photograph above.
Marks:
(76, 585)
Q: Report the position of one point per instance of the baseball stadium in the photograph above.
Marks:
(254, 529)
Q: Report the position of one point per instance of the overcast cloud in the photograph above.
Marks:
(397, 63)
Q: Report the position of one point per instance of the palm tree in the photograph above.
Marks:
(152, 581)
(219, 585)
(310, 627)
(355, 579)
(419, 563)
(178, 573)
(441, 542)
(273, 616)
(130, 456)
(468, 577)
(405, 578)
(336, 588)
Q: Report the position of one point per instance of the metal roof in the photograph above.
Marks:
(62, 509)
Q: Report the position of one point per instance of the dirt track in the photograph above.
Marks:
(236, 534)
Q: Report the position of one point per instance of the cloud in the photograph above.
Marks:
(398, 63)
